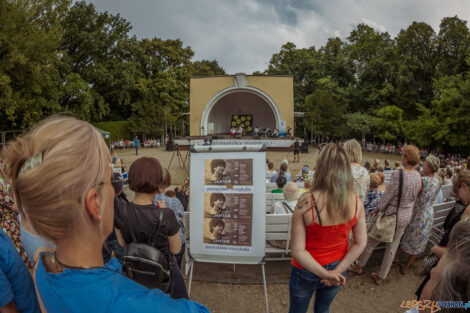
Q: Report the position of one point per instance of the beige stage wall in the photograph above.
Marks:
(206, 92)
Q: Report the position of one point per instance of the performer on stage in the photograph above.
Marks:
(297, 150)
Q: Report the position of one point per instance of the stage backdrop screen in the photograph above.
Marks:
(227, 207)
(243, 120)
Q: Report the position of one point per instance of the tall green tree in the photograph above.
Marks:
(389, 123)
(416, 52)
(359, 123)
(29, 38)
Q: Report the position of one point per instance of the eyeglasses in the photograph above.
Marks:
(114, 181)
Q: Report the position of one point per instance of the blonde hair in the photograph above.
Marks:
(463, 177)
(353, 150)
(374, 181)
(434, 163)
(51, 194)
(334, 178)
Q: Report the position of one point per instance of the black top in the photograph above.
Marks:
(144, 220)
(452, 218)
(296, 145)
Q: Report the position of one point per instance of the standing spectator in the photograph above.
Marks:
(388, 204)
(321, 225)
(282, 172)
(136, 145)
(361, 176)
(382, 186)
(297, 150)
(387, 165)
(77, 220)
(146, 178)
(16, 286)
(175, 205)
(416, 236)
(373, 196)
(287, 206)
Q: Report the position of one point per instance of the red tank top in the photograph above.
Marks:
(327, 244)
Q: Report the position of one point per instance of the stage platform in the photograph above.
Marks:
(272, 144)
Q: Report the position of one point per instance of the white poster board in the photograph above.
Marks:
(227, 204)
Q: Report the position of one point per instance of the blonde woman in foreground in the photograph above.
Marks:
(321, 224)
(61, 173)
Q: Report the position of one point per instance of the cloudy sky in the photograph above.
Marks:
(242, 35)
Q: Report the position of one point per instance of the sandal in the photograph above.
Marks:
(376, 278)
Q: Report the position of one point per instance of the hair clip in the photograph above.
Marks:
(31, 163)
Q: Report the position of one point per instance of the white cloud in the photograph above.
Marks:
(243, 35)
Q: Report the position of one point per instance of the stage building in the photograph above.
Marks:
(218, 103)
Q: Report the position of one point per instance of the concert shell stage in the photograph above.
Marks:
(214, 100)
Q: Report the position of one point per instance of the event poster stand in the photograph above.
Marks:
(227, 206)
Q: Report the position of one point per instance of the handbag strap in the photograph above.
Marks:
(400, 189)
(154, 238)
(287, 207)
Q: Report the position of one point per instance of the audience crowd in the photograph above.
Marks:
(65, 219)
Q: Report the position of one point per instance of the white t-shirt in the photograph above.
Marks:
(279, 207)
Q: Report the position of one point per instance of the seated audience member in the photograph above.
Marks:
(380, 169)
(182, 193)
(303, 174)
(175, 205)
(287, 206)
(367, 166)
(387, 165)
(270, 169)
(42, 165)
(376, 164)
(448, 177)
(16, 286)
(283, 171)
(373, 196)
(280, 182)
(308, 182)
(397, 165)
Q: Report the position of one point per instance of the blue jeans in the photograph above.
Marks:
(303, 284)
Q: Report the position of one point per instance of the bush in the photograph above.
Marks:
(118, 129)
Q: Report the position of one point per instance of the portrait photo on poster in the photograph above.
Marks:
(226, 231)
(228, 172)
(228, 205)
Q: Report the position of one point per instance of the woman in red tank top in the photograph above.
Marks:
(321, 225)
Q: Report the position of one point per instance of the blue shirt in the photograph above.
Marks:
(15, 281)
(136, 142)
(175, 205)
(104, 289)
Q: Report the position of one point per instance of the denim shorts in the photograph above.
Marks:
(303, 284)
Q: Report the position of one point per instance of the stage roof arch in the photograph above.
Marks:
(214, 99)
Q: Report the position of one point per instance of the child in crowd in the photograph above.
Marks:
(373, 197)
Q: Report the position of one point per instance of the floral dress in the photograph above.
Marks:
(417, 233)
(9, 222)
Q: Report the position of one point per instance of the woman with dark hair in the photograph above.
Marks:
(216, 228)
(321, 224)
(217, 169)
(146, 179)
(217, 203)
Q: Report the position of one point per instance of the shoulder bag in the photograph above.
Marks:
(385, 228)
(144, 263)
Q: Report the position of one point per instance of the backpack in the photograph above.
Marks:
(146, 264)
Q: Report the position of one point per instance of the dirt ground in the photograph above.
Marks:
(224, 288)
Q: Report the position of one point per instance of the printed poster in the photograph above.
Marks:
(228, 172)
(228, 218)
